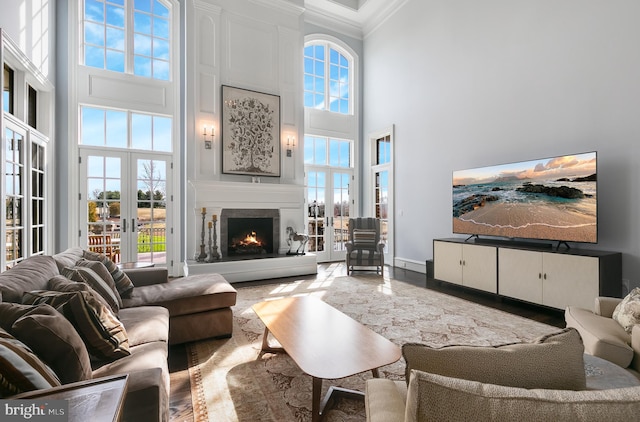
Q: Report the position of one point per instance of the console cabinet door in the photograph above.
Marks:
(570, 280)
(447, 262)
(520, 274)
(480, 267)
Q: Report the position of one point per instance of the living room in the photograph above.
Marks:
(458, 85)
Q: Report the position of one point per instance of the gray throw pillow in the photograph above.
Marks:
(20, 369)
(555, 361)
(96, 275)
(102, 333)
(52, 337)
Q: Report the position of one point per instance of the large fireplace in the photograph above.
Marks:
(249, 233)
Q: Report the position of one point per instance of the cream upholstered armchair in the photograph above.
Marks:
(603, 336)
(364, 246)
(542, 380)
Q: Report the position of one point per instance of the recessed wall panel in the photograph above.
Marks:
(251, 53)
(125, 91)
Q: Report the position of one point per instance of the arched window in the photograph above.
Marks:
(327, 77)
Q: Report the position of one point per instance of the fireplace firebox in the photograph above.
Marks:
(249, 233)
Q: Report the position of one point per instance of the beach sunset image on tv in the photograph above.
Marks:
(551, 199)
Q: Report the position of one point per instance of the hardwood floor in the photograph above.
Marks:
(180, 400)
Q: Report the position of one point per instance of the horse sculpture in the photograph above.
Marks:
(296, 237)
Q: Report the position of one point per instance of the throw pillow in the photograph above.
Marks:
(102, 333)
(555, 361)
(432, 397)
(52, 337)
(96, 275)
(60, 283)
(627, 312)
(364, 238)
(10, 312)
(124, 285)
(20, 369)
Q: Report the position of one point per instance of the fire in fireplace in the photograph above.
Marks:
(248, 233)
(251, 244)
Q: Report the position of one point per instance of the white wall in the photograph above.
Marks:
(250, 44)
(31, 25)
(470, 84)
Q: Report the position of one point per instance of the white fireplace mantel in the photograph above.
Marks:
(218, 195)
(215, 196)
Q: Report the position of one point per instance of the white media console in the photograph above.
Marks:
(555, 278)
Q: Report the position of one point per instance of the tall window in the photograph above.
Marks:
(7, 90)
(382, 178)
(14, 196)
(38, 203)
(141, 45)
(327, 78)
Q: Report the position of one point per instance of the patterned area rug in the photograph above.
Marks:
(232, 381)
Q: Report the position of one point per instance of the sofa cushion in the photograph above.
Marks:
(435, 397)
(143, 356)
(145, 324)
(384, 400)
(52, 337)
(96, 275)
(627, 312)
(602, 336)
(554, 361)
(103, 334)
(187, 295)
(122, 281)
(20, 369)
(31, 274)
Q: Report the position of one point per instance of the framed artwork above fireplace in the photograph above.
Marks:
(250, 132)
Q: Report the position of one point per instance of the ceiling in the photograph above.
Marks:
(355, 16)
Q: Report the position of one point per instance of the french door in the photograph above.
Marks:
(123, 202)
(328, 209)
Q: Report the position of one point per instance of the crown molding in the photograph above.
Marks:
(207, 7)
(348, 27)
(281, 6)
(381, 16)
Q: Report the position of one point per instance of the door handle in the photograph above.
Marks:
(124, 225)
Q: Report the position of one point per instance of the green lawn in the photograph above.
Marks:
(145, 242)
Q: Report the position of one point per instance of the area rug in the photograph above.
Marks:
(232, 381)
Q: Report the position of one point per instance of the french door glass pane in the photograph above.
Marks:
(14, 197)
(103, 205)
(340, 210)
(382, 203)
(152, 210)
(316, 191)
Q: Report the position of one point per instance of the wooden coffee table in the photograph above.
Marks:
(324, 343)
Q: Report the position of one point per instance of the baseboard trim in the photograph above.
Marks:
(410, 264)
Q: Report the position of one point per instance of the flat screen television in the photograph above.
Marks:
(547, 199)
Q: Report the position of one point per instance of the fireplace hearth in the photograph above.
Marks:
(249, 233)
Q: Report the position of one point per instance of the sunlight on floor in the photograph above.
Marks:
(286, 288)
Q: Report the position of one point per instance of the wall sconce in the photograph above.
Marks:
(291, 143)
(208, 143)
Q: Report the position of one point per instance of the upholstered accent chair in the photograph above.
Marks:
(365, 249)
(603, 336)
